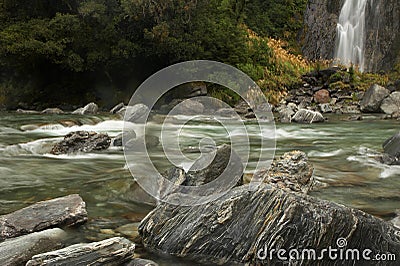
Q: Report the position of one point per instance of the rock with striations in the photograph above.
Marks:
(89, 109)
(373, 98)
(19, 250)
(81, 141)
(391, 149)
(65, 211)
(391, 104)
(111, 252)
(307, 117)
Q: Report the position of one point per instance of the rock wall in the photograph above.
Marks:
(382, 47)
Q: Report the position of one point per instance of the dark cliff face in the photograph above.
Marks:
(382, 44)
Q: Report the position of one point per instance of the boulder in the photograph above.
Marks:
(242, 225)
(117, 140)
(307, 116)
(65, 211)
(81, 141)
(373, 98)
(141, 262)
(391, 149)
(135, 114)
(292, 171)
(53, 111)
(114, 251)
(391, 104)
(225, 112)
(116, 108)
(189, 107)
(149, 140)
(19, 250)
(89, 109)
(322, 96)
(285, 114)
(325, 108)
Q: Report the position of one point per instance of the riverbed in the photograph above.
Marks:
(342, 153)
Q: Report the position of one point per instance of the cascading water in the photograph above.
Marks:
(351, 34)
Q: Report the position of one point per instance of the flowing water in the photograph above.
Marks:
(342, 153)
(351, 33)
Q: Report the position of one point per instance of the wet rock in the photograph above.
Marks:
(53, 111)
(114, 251)
(22, 111)
(136, 113)
(129, 230)
(141, 262)
(391, 149)
(373, 98)
(117, 140)
(292, 171)
(89, 109)
(307, 116)
(117, 108)
(81, 141)
(189, 107)
(19, 250)
(65, 211)
(29, 127)
(396, 220)
(322, 96)
(149, 140)
(391, 104)
(235, 227)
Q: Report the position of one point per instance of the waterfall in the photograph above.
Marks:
(351, 34)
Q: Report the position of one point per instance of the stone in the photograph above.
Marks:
(117, 108)
(89, 109)
(136, 113)
(292, 171)
(149, 140)
(19, 250)
(325, 108)
(373, 98)
(29, 112)
(391, 104)
(391, 149)
(237, 226)
(52, 111)
(65, 211)
(307, 117)
(322, 96)
(225, 112)
(396, 220)
(286, 112)
(141, 262)
(114, 251)
(189, 107)
(117, 140)
(81, 141)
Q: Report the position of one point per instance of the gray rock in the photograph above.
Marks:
(325, 108)
(89, 109)
(396, 220)
(391, 104)
(65, 211)
(292, 171)
(285, 114)
(149, 140)
(189, 107)
(136, 113)
(53, 111)
(19, 250)
(225, 112)
(243, 222)
(141, 262)
(114, 251)
(373, 98)
(117, 140)
(307, 116)
(81, 141)
(391, 149)
(116, 108)
(22, 111)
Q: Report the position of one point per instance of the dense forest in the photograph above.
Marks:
(67, 52)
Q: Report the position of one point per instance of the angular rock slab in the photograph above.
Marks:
(307, 117)
(391, 104)
(238, 225)
(373, 98)
(81, 141)
(114, 251)
(89, 109)
(19, 250)
(65, 211)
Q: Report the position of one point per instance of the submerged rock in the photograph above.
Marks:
(81, 141)
(307, 117)
(66, 211)
(19, 250)
(373, 98)
(244, 223)
(114, 251)
(89, 109)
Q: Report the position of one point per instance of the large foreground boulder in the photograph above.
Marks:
(373, 98)
(305, 116)
(81, 141)
(65, 211)
(19, 250)
(111, 252)
(245, 224)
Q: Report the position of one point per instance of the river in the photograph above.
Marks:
(341, 152)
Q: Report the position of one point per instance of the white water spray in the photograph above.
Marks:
(351, 34)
